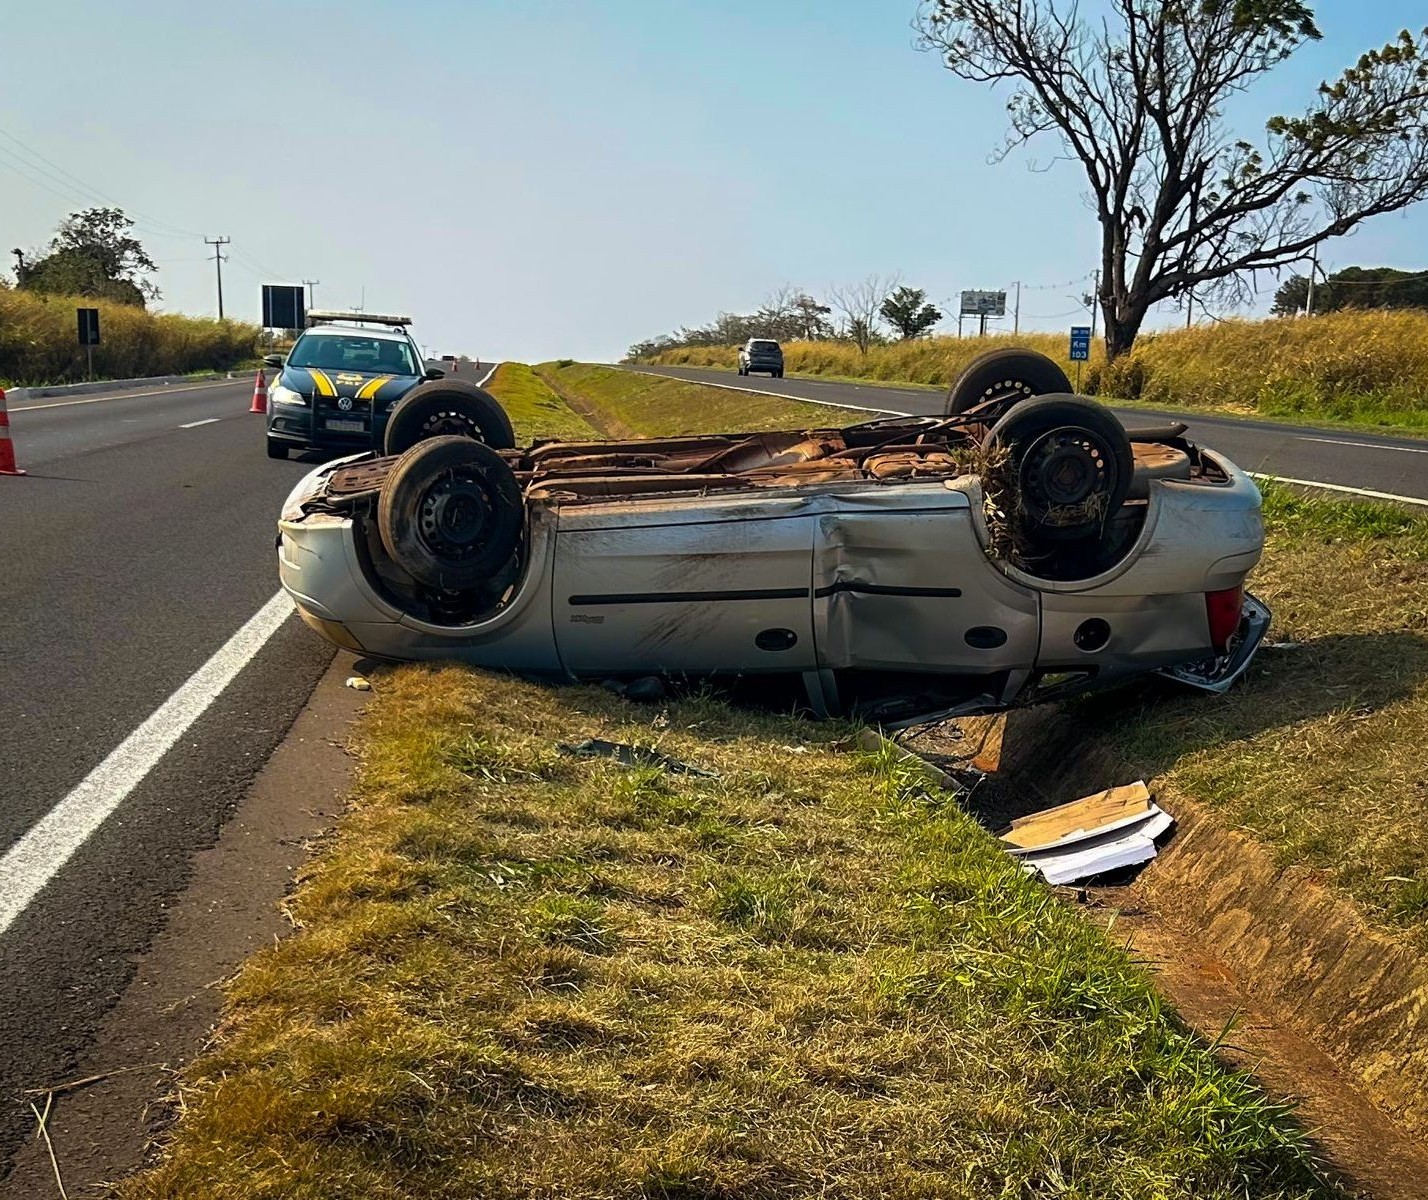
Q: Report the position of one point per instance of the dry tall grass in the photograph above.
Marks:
(39, 342)
(1364, 367)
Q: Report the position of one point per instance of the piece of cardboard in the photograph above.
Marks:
(1087, 815)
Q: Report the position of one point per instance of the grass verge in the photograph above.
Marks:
(523, 974)
(626, 404)
(1321, 753)
(534, 409)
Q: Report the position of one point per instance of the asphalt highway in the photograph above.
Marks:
(1354, 461)
(138, 544)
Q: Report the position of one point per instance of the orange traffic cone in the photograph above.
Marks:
(260, 394)
(7, 447)
(456, 366)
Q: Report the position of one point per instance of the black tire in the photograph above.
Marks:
(1007, 376)
(277, 449)
(450, 513)
(1071, 462)
(444, 407)
(779, 373)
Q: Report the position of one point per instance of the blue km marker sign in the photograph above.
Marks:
(1080, 343)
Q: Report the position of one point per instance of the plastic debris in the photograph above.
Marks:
(358, 684)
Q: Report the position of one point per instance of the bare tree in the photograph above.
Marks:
(860, 305)
(1138, 99)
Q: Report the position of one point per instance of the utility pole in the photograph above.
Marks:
(1189, 306)
(1016, 314)
(1313, 271)
(311, 283)
(1095, 302)
(218, 243)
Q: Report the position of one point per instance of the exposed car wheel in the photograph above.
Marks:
(445, 407)
(1005, 377)
(277, 449)
(1070, 462)
(450, 513)
(779, 373)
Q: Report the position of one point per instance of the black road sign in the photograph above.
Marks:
(283, 306)
(88, 326)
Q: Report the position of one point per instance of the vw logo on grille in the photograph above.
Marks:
(345, 404)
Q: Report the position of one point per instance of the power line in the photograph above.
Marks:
(53, 171)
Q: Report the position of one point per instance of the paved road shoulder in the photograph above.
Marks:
(230, 909)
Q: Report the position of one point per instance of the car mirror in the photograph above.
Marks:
(434, 373)
(274, 360)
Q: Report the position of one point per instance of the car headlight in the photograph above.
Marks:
(285, 395)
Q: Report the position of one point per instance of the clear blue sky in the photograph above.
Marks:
(562, 178)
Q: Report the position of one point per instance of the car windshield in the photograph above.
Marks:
(763, 345)
(343, 352)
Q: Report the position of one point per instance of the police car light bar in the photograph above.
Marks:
(320, 316)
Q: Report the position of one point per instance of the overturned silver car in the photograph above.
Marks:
(1021, 550)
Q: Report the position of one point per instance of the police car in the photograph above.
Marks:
(357, 381)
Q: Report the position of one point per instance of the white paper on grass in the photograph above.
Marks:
(1104, 853)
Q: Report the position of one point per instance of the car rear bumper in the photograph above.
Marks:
(1219, 674)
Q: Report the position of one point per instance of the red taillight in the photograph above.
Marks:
(1223, 610)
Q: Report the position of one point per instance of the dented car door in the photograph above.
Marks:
(894, 588)
(724, 588)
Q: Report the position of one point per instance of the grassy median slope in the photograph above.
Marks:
(526, 974)
(534, 409)
(626, 404)
(1363, 368)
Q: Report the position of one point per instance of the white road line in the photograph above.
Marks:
(1339, 487)
(168, 391)
(50, 843)
(486, 378)
(730, 387)
(1365, 445)
(205, 421)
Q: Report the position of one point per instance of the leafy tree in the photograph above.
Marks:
(907, 311)
(811, 318)
(1292, 296)
(93, 254)
(1139, 100)
(1372, 287)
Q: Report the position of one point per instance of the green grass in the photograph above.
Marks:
(626, 404)
(534, 409)
(1321, 753)
(521, 974)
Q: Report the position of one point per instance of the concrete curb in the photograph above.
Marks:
(110, 385)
